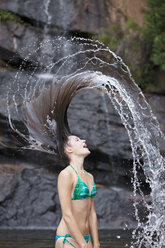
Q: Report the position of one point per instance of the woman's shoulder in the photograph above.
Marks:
(65, 173)
(65, 179)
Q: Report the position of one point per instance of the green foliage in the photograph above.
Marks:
(132, 25)
(142, 48)
(154, 32)
(158, 49)
(9, 16)
(111, 36)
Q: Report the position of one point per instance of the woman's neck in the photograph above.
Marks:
(78, 163)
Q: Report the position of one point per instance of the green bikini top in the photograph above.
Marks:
(81, 190)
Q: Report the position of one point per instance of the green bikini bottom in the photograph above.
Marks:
(86, 237)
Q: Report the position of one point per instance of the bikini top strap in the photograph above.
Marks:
(74, 169)
(77, 173)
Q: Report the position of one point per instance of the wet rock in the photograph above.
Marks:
(43, 20)
(157, 103)
(82, 16)
(18, 40)
(32, 201)
(8, 184)
(112, 208)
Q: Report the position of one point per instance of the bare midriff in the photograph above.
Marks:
(80, 210)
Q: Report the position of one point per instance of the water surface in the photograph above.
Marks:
(45, 238)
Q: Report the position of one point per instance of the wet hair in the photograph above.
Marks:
(46, 115)
(64, 155)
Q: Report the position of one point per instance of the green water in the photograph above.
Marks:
(45, 238)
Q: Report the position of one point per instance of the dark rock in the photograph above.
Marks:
(43, 20)
(82, 16)
(17, 41)
(32, 200)
(62, 15)
(8, 184)
(112, 208)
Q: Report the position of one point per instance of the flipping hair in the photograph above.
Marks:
(46, 115)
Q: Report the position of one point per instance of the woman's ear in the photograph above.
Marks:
(68, 149)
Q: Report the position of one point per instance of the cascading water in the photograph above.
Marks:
(90, 61)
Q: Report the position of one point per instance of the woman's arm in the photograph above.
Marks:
(64, 190)
(93, 225)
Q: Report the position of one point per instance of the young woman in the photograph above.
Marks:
(46, 121)
(76, 190)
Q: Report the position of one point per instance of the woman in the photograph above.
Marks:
(76, 190)
(46, 120)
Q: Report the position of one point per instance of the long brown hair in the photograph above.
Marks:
(46, 115)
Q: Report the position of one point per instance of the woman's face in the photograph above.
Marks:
(78, 146)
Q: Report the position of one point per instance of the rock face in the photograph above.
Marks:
(128, 10)
(29, 199)
(82, 16)
(40, 20)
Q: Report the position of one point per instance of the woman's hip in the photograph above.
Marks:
(68, 240)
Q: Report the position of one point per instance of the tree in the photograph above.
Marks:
(154, 31)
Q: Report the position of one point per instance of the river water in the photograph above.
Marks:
(45, 238)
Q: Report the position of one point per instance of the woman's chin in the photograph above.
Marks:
(87, 152)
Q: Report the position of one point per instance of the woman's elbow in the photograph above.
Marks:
(67, 216)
